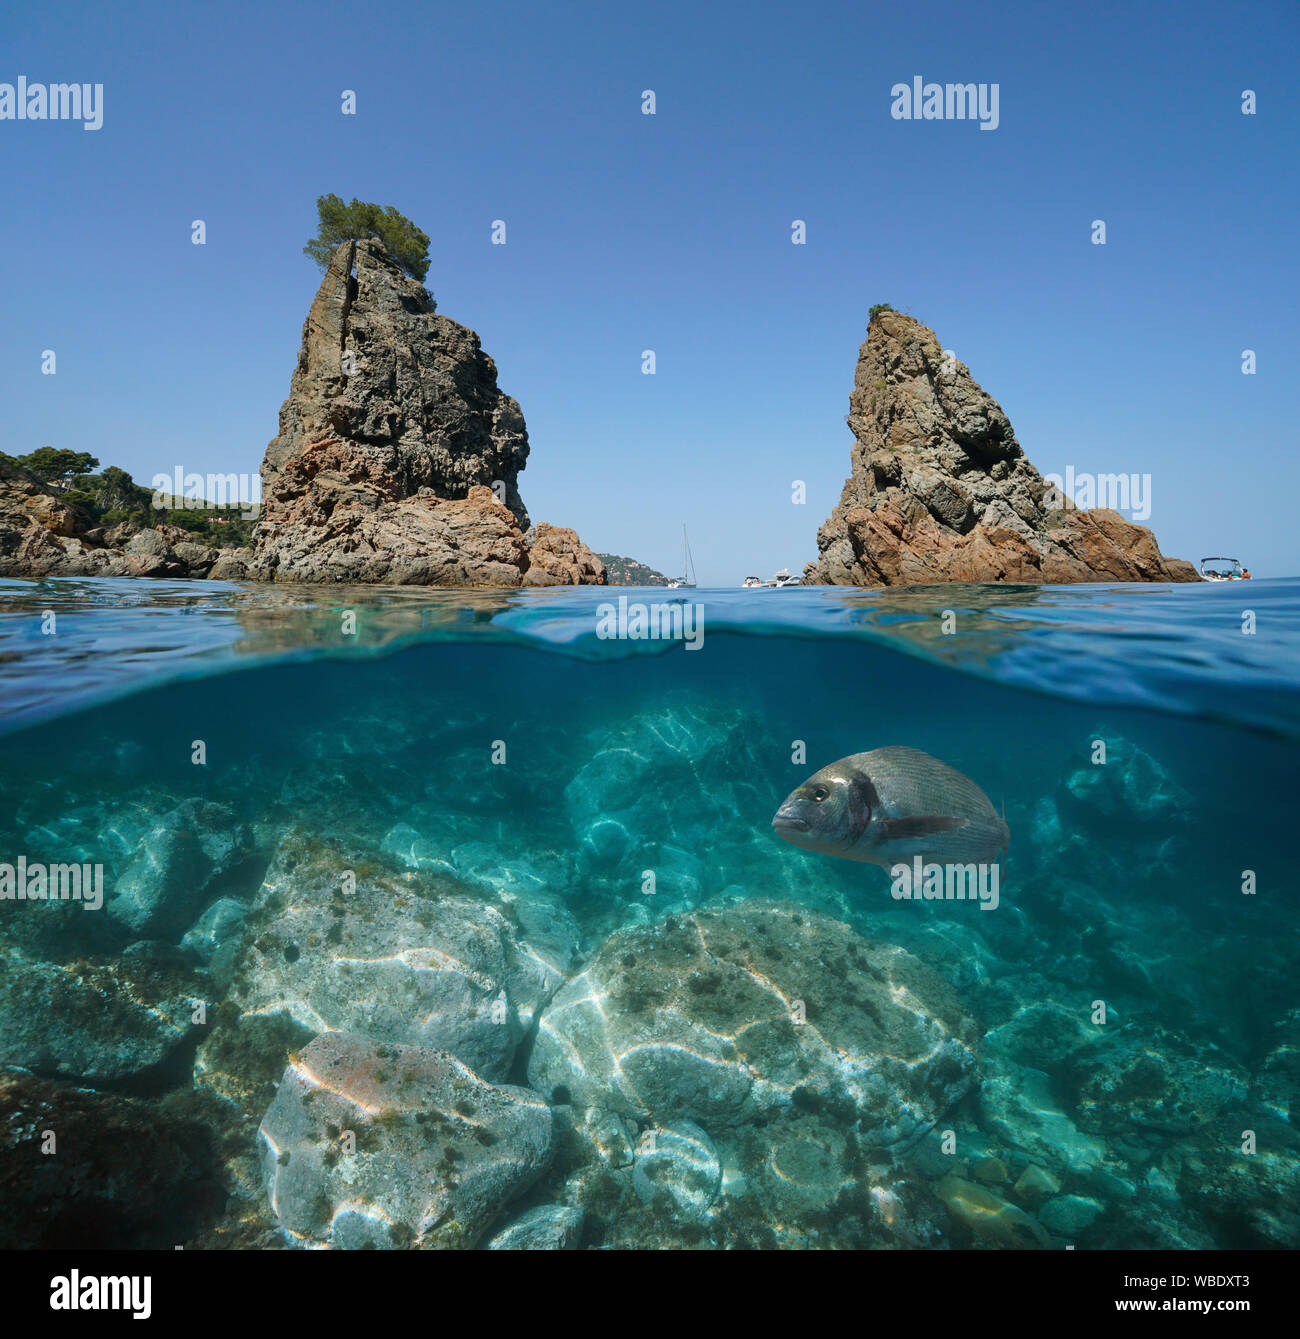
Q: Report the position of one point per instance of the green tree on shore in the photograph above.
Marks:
(340, 222)
(53, 466)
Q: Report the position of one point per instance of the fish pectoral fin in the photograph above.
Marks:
(921, 825)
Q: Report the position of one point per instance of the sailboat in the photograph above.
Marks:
(687, 580)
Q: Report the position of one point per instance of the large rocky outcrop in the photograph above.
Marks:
(392, 441)
(940, 489)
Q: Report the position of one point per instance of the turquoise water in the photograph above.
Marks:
(492, 753)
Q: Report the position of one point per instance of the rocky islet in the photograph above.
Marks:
(941, 490)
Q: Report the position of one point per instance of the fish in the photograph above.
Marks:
(890, 805)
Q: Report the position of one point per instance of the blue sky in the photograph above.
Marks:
(672, 232)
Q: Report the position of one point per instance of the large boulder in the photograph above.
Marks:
(370, 1144)
(403, 958)
(940, 490)
(727, 1017)
(160, 889)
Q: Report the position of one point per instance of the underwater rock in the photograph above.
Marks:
(404, 958)
(1131, 790)
(120, 1173)
(1069, 1216)
(415, 851)
(1016, 1104)
(90, 1021)
(1041, 1035)
(1276, 1083)
(677, 1167)
(989, 1171)
(526, 887)
(1149, 1079)
(663, 785)
(940, 490)
(991, 1220)
(216, 937)
(162, 886)
(699, 1018)
(1034, 1184)
(611, 1137)
(435, 1152)
(548, 1227)
(1252, 1200)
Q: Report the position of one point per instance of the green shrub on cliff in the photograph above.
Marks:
(340, 222)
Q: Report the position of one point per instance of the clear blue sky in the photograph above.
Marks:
(629, 232)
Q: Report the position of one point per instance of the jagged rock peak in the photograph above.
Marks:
(940, 489)
(398, 456)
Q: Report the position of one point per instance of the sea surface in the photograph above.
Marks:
(497, 894)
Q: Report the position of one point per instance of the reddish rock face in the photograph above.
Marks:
(940, 489)
(392, 441)
(557, 557)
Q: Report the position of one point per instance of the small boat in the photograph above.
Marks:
(1223, 569)
(687, 580)
(782, 578)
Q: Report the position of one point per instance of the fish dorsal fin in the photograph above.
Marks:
(920, 825)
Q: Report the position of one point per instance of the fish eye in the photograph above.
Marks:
(818, 793)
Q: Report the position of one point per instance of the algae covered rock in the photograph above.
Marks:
(679, 1165)
(369, 1144)
(724, 1015)
(343, 945)
(1140, 1078)
(1131, 789)
(96, 1021)
(99, 1170)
